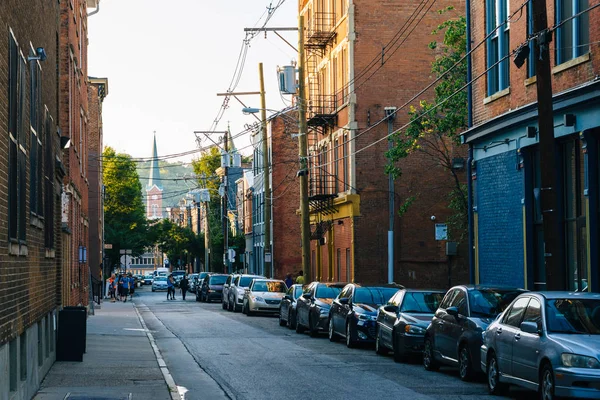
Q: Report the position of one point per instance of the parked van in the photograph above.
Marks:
(161, 272)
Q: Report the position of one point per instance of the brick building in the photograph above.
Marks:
(97, 92)
(348, 90)
(30, 182)
(506, 178)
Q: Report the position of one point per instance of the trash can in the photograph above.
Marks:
(72, 329)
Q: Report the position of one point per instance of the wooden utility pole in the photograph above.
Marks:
(303, 153)
(226, 206)
(555, 278)
(266, 175)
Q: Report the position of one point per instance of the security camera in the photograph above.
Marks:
(40, 55)
(433, 217)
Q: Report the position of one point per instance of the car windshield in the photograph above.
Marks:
(217, 280)
(421, 302)
(490, 302)
(245, 281)
(202, 275)
(327, 292)
(161, 279)
(269, 286)
(297, 292)
(373, 295)
(578, 316)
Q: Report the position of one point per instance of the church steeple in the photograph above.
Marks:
(154, 178)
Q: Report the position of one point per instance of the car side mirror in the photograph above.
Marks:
(452, 311)
(391, 308)
(306, 296)
(344, 300)
(530, 327)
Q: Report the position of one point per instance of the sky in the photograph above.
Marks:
(166, 62)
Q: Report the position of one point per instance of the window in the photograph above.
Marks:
(575, 231)
(448, 298)
(497, 45)
(460, 301)
(16, 154)
(35, 144)
(573, 34)
(531, 58)
(348, 266)
(40, 344)
(344, 62)
(48, 184)
(23, 356)
(345, 162)
(12, 362)
(515, 314)
(533, 313)
(339, 264)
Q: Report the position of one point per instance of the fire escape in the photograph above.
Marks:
(321, 114)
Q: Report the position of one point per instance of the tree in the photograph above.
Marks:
(124, 214)
(179, 243)
(435, 126)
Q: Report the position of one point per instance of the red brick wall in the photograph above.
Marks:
(73, 99)
(95, 180)
(395, 83)
(520, 93)
(28, 283)
(287, 253)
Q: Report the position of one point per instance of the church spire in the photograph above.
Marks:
(154, 178)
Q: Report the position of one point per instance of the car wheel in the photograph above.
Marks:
(230, 304)
(465, 367)
(223, 304)
(299, 327)
(349, 341)
(331, 332)
(312, 328)
(495, 387)
(399, 354)
(547, 383)
(428, 361)
(378, 346)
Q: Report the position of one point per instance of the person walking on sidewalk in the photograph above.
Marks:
(300, 278)
(131, 281)
(111, 288)
(170, 288)
(184, 284)
(289, 281)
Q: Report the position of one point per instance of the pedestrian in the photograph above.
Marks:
(131, 280)
(184, 284)
(121, 282)
(112, 288)
(289, 281)
(300, 278)
(170, 288)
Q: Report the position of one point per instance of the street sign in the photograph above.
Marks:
(267, 257)
(107, 246)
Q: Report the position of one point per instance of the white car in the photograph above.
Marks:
(159, 283)
(237, 289)
(263, 295)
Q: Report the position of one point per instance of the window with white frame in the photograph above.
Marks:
(573, 32)
(35, 143)
(497, 28)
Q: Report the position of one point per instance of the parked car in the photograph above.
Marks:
(454, 335)
(312, 308)
(212, 288)
(237, 289)
(353, 313)
(263, 296)
(148, 279)
(159, 283)
(225, 295)
(402, 322)
(287, 308)
(198, 279)
(549, 342)
(192, 282)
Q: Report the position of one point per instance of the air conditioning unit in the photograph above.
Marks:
(287, 79)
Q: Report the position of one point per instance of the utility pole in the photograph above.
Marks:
(225, 205)
(390, 113)
(303, 155)
(266, 175)
(206, 237)
(552, 254)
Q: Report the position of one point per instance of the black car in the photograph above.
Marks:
(354, 312)
(312, 308)
(402, 322)
(454, 335)
(287, 308)
(211, 288)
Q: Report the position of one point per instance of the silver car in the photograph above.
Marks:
(237, 289)
(159, 283)
(263, 295)
(546, 341)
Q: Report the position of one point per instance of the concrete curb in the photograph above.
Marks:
(161, 362)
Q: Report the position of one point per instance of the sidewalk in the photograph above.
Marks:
(120, 362)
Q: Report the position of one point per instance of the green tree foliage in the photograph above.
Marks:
(205, 168)
(180, 244)
(436, 125)
(124, 213)
(175, 180)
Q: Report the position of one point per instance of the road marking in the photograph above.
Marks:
(173, 389)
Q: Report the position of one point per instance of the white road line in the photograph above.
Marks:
(173, 390)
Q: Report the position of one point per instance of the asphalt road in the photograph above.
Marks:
(213, 353)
